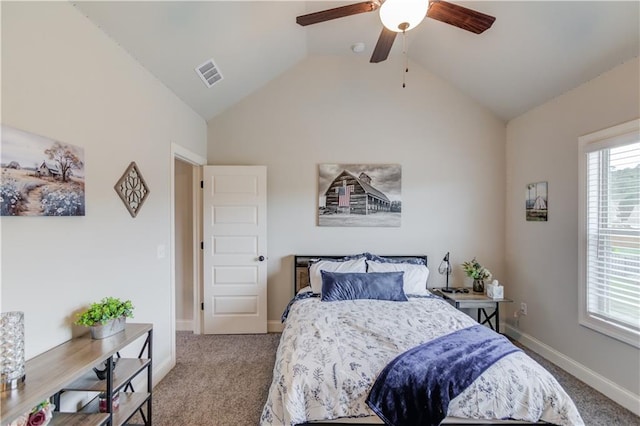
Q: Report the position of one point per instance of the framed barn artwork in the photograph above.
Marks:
(536, 206)
(40, 176)
(359, 195)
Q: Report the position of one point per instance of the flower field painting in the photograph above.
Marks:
(359, 195)
(40, 176)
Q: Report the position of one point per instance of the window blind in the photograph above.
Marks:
(613, 232)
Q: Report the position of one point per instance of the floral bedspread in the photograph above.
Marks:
(330, 354)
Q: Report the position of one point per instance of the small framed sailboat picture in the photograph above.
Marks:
(537, 203)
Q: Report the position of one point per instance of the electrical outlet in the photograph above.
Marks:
(523, 308)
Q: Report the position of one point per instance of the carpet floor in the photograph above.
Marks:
(223, 380)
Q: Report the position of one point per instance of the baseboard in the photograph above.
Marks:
(161, 370)
(184, 325)
(622, 396)
(274, 326)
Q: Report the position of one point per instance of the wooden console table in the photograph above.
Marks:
(69, 367)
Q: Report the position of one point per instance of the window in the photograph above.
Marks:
(610, 231)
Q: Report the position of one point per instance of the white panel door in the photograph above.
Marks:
(235, 249)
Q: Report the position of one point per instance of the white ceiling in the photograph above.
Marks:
(536, 50)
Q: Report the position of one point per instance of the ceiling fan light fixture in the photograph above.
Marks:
(403, 15)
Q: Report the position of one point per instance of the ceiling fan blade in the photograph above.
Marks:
(338, 12)
(459, 16)
(383, 46)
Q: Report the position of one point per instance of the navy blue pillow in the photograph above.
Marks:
(357, 285)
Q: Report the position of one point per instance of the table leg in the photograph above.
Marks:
(487, 318)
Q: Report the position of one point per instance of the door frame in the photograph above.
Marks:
(183, 154)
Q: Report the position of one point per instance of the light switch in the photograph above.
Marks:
(161, 251)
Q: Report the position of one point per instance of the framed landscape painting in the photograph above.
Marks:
(359, 195)
(40, 176)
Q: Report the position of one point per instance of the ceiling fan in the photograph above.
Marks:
(404, 15)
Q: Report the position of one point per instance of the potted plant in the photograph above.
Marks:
(106, 318)
(478, 273)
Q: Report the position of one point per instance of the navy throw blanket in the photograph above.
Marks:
(417, 386)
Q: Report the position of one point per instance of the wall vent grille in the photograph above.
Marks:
(209, 73)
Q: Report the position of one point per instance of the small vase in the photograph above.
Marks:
(110, 328)
(478, 286)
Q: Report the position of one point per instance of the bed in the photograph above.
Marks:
(337, 347)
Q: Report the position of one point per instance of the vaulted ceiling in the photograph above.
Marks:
(535, 50)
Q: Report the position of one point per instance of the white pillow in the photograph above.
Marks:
(315, 278)
(415, 276)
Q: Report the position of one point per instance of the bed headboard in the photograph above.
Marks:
(301, 267)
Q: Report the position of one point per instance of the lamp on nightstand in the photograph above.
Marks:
(445, 269)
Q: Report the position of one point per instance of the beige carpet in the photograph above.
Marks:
(224, 380)
(218, 380)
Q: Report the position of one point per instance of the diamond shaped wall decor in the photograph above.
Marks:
(132, 189)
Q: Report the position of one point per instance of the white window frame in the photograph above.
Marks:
(614, 136)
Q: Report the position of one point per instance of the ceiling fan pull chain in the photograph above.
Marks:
(406, 58)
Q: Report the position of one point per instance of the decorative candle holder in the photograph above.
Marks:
(12, 371)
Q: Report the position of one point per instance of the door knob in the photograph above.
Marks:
(261, 258)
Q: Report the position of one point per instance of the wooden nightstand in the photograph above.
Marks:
(478, 301)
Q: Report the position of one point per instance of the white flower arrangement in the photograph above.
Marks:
(476, 271)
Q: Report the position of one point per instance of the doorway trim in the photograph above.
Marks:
(181, 153)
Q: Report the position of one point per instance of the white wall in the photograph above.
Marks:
(346, 110)
(65, 79)
(542, 257)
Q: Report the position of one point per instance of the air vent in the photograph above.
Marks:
(209, 73)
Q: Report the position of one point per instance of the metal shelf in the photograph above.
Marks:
(69, 366)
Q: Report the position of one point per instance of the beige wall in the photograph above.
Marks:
(63, 78)
(184, 205)
(346, 110)
(542, 257)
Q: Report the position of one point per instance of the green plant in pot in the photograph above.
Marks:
(107, 317)
(478, 273)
